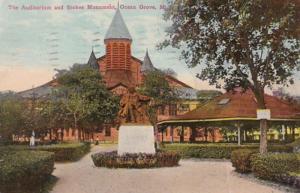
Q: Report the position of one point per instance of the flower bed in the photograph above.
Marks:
(23, 169)
(216, 151)
(140, 160)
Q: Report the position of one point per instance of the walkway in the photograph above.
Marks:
(192, 176)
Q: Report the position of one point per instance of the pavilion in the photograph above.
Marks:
(237, 109)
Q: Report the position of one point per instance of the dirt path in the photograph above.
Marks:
(192, 176)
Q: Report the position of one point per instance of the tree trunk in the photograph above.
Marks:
(205, 134)
(260, 97)
(263, 136)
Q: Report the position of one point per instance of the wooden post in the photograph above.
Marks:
(239, 134)
(283, 131)
(205, 134)
(238, 125)
(162, 135)
(293, 132)
(182, 135)
(172, 133)
(193, 134)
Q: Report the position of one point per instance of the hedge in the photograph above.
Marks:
(278, 167)
(66, 151)
(23, 169)
(240, 159)
(216, 151)
(139, 160)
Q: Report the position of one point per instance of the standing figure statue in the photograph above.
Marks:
(133, 107)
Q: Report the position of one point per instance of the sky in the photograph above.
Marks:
(35, 42)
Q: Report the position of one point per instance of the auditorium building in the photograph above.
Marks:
(120, 70)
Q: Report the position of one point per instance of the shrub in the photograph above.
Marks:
(295, 145)
(240, 159)
(139, 160)
(24, 169)
(66, 151)
(276, 166)
(216, 151)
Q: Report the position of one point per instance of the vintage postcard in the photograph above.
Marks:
(149, 96)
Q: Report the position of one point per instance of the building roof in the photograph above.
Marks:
(147, 64)
(187, 93)
(93, 61)
(182, 84)
(38, 92)
(115, 77)
(238, 105)
(118, 28)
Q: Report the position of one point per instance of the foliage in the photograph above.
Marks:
(66, 151)
(140, 160)
(24, 169)
(248, 44)
(157, 87)
(216, 151)
(11, 118)
(206, 95)
(85, 97)
(276, 167)
(240, 159)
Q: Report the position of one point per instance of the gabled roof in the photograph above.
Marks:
(147, 64)
(42, 91)
(115, 77)
(238, 105)
(93, 61)
(118, 28)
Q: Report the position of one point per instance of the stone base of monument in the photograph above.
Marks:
(135, 138)
(136, 150)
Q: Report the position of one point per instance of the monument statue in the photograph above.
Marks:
(139, 136)
(133, 108)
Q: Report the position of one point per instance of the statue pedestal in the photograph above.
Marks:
(134, 138)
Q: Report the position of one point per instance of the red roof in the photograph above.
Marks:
(239, 105)
(115, 77)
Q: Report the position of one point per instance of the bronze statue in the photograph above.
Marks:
(133, 108)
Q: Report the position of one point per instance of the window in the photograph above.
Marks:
(173, 110)
(107, 132)
(224, 101)
(161, 110)
(184, 107)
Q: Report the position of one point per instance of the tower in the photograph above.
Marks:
(118, 44)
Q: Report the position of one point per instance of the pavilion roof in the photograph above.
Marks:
(238, 105)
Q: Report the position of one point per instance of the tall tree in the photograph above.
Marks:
(238, 43)
(86, 98)
(162, 94)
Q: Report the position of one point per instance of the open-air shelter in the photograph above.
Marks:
(237, 109)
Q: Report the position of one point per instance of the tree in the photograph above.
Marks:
(162, 94)
(238, 43)
(85, 97)
(10, 117)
